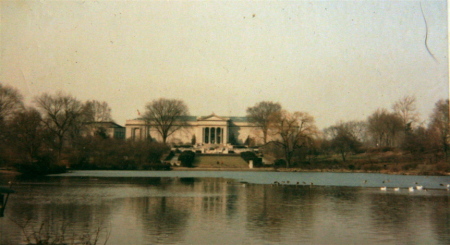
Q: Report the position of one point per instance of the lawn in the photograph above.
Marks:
(220, 162)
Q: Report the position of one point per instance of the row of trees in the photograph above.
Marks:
(57, 125)
(295, 135)
(39, 136)
(400, 128)
(61, 130)
(289, 132)
(293, 131)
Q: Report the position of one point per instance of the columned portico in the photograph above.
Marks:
(214, 135)
(214, 130)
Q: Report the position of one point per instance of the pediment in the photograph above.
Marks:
(212, 117)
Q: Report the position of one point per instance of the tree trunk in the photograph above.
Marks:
(288, 158)
(164, 137)
(265, 136)
(60, 147)
(343, 156)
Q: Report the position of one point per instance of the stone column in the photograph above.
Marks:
(215, 135)
(203, 135)
(137, 133)
(199, 135)
(209, 135)
(225, 135)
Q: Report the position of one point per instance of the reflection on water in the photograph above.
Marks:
(183, 209)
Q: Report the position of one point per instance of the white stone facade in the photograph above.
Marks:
(209, 130)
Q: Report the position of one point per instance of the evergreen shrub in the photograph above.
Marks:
(248, 155)
(187, 158)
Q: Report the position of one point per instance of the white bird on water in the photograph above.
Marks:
(397, 189)
(384, 188)
(419, 187)
(411, 189)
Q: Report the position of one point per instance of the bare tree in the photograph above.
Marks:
(405, 108)
(61, 113)
(358, 130)
(26, 133)
(344, 137)
(440, 126)
(96, 111)
(260, 115)
(418, 141)
(384, 128)
(94, 114)
(166, 115)
(293, 131)
(11, 101)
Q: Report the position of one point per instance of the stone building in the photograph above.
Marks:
(110, 129)
(209, 130)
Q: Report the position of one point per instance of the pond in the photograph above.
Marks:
(221, 207)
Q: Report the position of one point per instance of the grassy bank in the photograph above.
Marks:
(214, 161)
(376, 162)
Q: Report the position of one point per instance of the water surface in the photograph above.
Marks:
(207, 207)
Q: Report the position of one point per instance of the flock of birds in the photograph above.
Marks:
(383, 188)
(411, 188)
(288, 182)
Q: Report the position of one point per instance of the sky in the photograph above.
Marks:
(336, 60)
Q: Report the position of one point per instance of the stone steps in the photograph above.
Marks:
(220, 161)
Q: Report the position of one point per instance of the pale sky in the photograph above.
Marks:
(337, 60)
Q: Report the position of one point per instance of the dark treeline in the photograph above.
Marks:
(61, 131)
(393, 140)
(396, 138)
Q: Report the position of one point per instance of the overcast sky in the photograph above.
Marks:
(337, 60)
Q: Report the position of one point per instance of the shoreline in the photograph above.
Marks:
(308, 171)
(415, 172)
(9, 172)
(293, 170)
